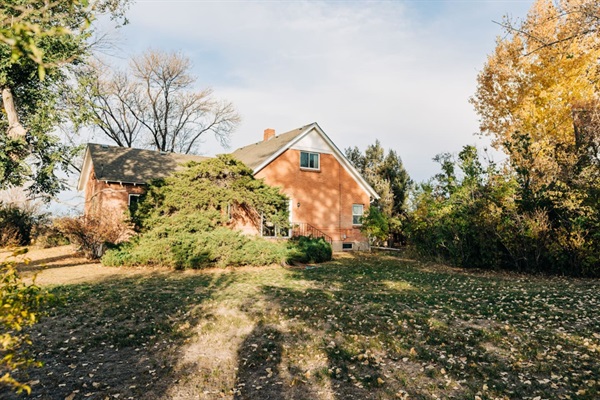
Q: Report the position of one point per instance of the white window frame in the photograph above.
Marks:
(310, 154)
(360, 216)
(137, 195)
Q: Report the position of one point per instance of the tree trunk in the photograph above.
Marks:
(15, 129)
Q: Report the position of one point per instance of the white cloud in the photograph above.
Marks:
(400, 72)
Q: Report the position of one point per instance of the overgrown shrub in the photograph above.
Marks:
(185, 221)
(220, 247)
(307, 249)
(92, 234)
(19, 303)
(48, 235)
(17, 224)
(482, 217)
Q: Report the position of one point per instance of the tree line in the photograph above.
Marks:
(538, 99)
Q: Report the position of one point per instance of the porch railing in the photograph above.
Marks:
(305, 229)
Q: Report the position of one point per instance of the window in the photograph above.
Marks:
(347, 246)
(357, 214)
(309, 160)
(269, 229)
(133, 201)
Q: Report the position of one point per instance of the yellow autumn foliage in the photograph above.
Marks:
(18, 309)
(545, 67)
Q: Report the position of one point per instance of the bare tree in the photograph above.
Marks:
(156, 106)
(105, 99)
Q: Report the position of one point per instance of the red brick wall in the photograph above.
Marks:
(325, 196)
(108, 200)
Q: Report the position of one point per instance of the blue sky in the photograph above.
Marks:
(397, 71)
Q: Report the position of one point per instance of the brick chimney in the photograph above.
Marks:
(269, 133)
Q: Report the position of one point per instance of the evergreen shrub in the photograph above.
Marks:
(220, 247)
(306, 249)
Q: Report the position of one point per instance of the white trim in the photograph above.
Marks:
(85, 170)
(362, 206)
(284, 148)
(336, 152)
(130, 196)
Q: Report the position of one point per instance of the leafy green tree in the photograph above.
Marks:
(490, 217)
(455, 215)
(386, 174)
(376, 226)
(40, 41)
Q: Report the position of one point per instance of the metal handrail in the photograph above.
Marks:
(306, 229)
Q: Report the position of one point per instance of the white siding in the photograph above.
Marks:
(313, 142)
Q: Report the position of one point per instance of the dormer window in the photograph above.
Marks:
(309, 160)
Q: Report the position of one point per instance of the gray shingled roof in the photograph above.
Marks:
(255, 154)
(127, 165)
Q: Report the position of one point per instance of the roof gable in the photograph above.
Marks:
(258, 155)
(129, 165)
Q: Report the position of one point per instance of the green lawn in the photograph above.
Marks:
(360, 327)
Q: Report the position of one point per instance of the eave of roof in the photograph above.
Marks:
(255, 154)
(129, 165)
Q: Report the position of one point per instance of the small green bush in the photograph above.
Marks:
(307, 249)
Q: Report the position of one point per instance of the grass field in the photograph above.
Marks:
(364, 326)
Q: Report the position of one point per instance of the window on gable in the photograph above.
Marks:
(357, 214)
(309, 160)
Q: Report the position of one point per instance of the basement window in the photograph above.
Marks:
(309, 160)
(347, 246)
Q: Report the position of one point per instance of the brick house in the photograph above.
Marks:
(112, 177)
(327, 196)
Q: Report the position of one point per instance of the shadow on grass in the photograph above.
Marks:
(389, 328)
(116, 337)
(259, 359)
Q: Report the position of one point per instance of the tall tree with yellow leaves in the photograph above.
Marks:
(545, 68)
(538, 98)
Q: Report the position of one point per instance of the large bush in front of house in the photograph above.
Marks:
(185, 220)
(220, 247)
(306, 249)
